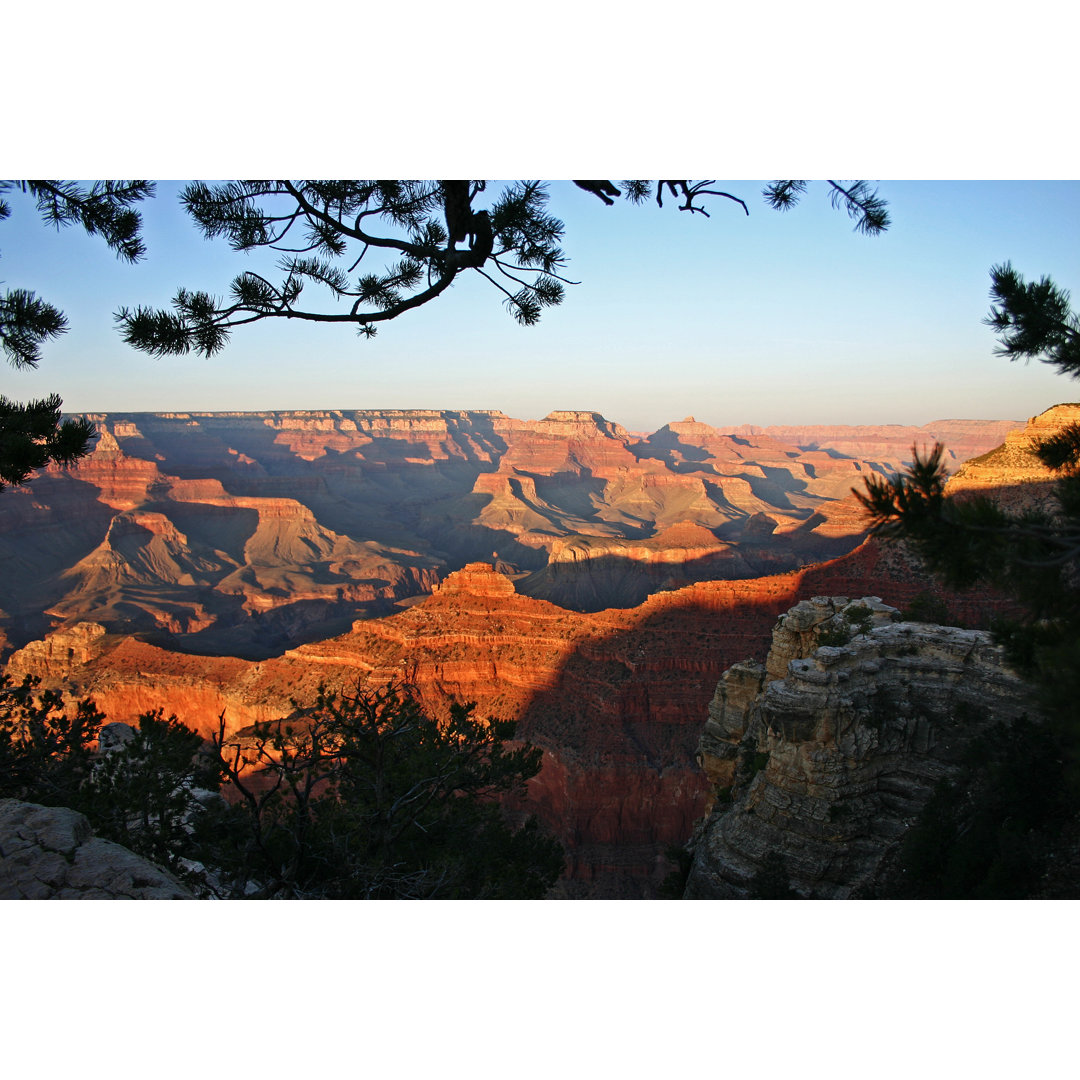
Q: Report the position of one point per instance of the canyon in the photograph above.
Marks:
(822, 758)
(589, 583)
(249, 533)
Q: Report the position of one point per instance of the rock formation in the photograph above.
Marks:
(888, 446)
(1012, 474)
(614, 698)
(50, 853)
(828, 752)
(249, 533)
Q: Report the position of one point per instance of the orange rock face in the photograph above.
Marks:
(614, 698)
(254, 532)
(1012, 474)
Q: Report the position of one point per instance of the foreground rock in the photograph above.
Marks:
(831, 763)
(50, 853)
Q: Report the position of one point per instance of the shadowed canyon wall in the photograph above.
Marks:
(614, 698)
(826, 754)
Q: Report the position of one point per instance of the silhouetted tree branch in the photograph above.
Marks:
(436, 227)
(32, 434)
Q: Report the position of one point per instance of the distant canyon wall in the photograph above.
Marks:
(250, 533)
(889, 446)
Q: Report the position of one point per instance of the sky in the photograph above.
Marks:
(771, 318)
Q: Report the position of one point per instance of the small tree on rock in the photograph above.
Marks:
(363, 795)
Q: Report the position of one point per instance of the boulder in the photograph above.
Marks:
(51, 853)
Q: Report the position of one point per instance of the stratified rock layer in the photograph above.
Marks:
(50, 853)
(888, 446)
(614, 698)
(831, 764)
(1012, 474)
(249, 533)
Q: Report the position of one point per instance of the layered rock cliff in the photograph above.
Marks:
(249, 533)
(1012, 474)
(827, 753)
(888, 446)
(614, 698)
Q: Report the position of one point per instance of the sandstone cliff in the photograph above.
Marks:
(1012, 474)
(827, 753)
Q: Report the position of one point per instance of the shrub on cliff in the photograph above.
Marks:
(1032, 556)
(363, 795)
(147, 793)
(144, 794)
(46, 749)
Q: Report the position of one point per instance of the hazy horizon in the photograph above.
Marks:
(532, 419)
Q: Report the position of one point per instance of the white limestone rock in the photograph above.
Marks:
(832, 761)
(50, 853)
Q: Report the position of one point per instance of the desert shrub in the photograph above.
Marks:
(46, 749)
(835, 633)
(145, 794)
(360, 795)
(364, 795)
(860, 618)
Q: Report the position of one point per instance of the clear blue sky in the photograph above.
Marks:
(767, 319)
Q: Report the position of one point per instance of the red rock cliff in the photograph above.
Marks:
(614, 698)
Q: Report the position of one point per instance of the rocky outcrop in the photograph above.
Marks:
(50, 853)
(832, 762)
(1012, 474)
